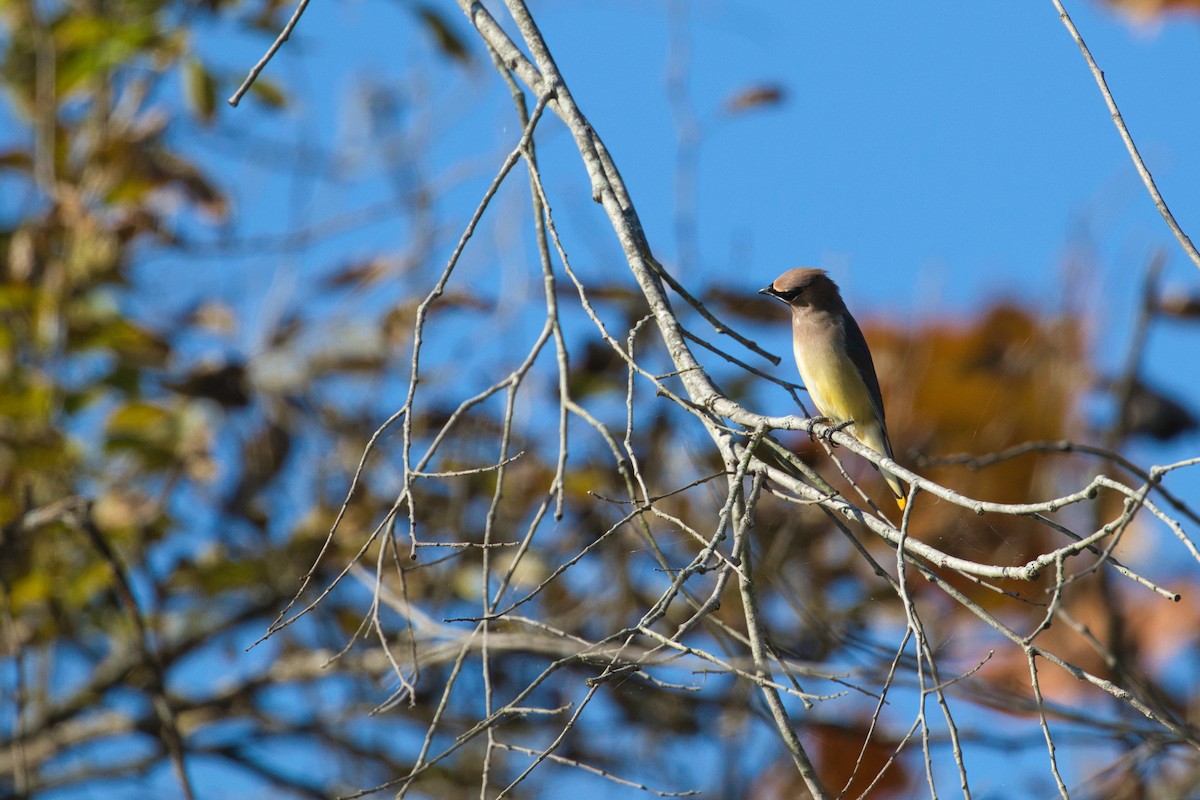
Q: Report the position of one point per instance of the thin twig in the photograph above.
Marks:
(283, 36)
(1119, 122)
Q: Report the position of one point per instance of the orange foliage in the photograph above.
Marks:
(1144, 9)
(975, 388)
(836, 757)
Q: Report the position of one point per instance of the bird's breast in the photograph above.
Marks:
(830, 376)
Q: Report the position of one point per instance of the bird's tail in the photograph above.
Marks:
(876, 438)
(897, 488)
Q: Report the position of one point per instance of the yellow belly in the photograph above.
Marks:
(835, 387)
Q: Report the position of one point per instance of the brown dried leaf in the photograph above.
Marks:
(1181, 306)
(754, 98)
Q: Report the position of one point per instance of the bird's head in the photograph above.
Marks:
(804, 287)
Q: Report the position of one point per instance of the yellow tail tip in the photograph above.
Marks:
(900, 501)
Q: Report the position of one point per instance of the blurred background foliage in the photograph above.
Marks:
(160, 505)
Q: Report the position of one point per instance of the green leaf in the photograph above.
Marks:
(444, 36)
(140, 419)
(17, 297)
(123, 338)
(200, 87)
(91, 47)
(147, 430)
(269, 93)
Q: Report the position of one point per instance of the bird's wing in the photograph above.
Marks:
(860, 354)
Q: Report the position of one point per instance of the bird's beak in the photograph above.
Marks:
(768, 290)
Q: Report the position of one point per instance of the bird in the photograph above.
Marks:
(834, 361)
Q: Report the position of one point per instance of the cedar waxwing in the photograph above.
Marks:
(834, 361)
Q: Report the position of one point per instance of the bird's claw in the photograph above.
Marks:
(827, 435)
(812, 421)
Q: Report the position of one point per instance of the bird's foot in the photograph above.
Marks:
(841, 426)
(812, 421)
